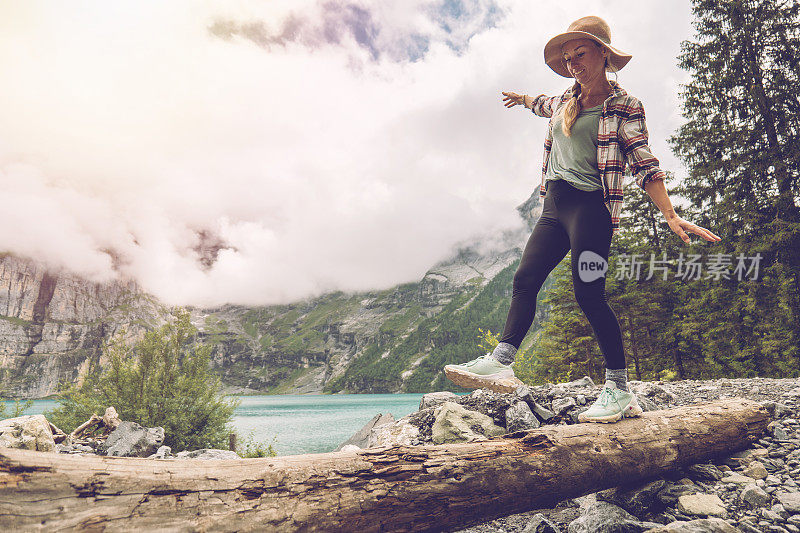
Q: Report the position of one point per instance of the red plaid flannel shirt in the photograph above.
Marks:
(621, 140)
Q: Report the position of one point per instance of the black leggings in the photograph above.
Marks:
(577, 221)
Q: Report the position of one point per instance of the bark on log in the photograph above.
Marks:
(399, 488)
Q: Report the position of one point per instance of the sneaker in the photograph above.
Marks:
(483, 372)
(611, 406)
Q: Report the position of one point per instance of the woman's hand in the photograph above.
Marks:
(681, 226)
(512, 99)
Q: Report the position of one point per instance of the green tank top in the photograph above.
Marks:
(574, 158)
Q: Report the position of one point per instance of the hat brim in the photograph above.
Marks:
(554, 57)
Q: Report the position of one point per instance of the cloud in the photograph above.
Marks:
(258, 153)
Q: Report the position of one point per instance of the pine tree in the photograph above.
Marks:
(742, 148)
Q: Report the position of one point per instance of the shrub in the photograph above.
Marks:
(162, 380)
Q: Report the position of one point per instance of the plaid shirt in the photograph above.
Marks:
(622, 139)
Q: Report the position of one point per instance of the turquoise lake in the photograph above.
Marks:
(304, 423)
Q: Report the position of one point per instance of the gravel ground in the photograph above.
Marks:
(757, 489)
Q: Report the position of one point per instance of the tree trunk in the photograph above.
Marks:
(398, 488)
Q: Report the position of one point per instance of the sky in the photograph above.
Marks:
(263, 152)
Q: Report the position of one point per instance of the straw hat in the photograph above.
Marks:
(590, 27)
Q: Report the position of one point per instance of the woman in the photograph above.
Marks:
(595, 130)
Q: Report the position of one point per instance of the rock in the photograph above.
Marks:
(163, 452)
(540, 524)
(520, 417)
(207, 454)
(771, 516)
(489, 403)
(652, 391)
(780, 510)
(738, 479)
(29, 432)
(542, 413)
(132, 440)
(604, 517)
(562, 405)
(739, 459)
(73, 448)
(432, 399)
(754, 496)
(703, 525)
(647, 404)
(350, 448)
(701, 505)
(669, 495)
(790, 501)
(111, 418)
(361, 437)
(756, 470)
(707, 472)
(776, 409)
(401, 432)
(637, 499)
(777, 431)
(524, 393)
(585, 381)
(454, 423)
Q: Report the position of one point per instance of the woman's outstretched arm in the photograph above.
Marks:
(541, 105)
(645, 169)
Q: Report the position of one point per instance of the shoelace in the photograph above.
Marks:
(475, 361)
(606, 395)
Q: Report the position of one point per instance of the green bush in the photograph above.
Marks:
(252, 448)
(162, 380)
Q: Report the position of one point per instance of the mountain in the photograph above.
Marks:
(54, 324)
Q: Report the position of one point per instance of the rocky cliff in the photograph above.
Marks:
(53, 324)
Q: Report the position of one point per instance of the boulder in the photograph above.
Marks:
(562, 405)
(132, 440)
(489, 403)
(704, 472)
(163, 452)
(790, 501)
(604, 517)
(400, 432)
(432, 399)
(520, 417)
(637, 499)
(30, 432)
(702, 505)
(652, 391)
(454, 423)
(361, 437)
(754, 496)
(540, 524)
(525, 394)
(755, 470)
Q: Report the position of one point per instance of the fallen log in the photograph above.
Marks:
(398, 488)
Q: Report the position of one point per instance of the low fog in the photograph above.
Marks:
(261, 152)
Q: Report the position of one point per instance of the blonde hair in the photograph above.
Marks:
(569, 112)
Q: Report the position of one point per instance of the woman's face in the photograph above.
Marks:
(584, 60)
